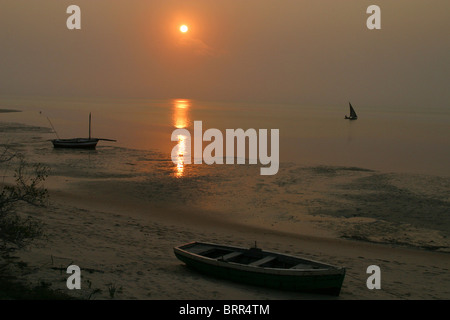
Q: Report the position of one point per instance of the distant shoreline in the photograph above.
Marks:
(9, 110)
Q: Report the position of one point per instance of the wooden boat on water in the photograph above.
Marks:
(77, 143)
(80, 143)
(257, 267)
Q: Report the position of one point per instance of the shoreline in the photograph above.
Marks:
(118, 216)
(309, 226)
(9, 110)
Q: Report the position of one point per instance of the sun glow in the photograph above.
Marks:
(184, 28)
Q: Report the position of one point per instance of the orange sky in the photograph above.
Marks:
(299, 51)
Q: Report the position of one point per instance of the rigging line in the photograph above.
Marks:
(53, 128)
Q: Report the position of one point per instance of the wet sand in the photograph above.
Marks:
(129, 246)
(118, 213)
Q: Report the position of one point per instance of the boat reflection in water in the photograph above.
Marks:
(181, 121)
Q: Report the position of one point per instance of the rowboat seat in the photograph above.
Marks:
(262, 261)
(302, 266)
(201, 250)
(231, 255)
(307, 267)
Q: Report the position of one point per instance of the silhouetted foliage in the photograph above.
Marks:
(17, 231)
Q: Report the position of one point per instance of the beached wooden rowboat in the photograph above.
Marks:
(263, 268)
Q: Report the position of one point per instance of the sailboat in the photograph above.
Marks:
(353, 115)
(79, 143)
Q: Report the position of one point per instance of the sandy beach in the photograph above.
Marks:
(118, 213)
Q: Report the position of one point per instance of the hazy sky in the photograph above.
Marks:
(300, 51)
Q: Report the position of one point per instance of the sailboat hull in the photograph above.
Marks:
(77, 143)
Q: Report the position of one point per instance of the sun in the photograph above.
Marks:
(184, 28)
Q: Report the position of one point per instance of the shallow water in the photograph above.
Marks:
(390, 139)
(354, 201)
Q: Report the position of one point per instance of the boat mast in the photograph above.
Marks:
(89, 125)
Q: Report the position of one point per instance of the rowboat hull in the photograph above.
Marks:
(322, 279)
(77, 143)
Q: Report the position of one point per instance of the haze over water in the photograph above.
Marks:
(386, 139)
(287, 65)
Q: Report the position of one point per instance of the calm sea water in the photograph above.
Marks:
(385, 138)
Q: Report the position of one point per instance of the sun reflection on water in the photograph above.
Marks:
(180, 113)
(180, 121)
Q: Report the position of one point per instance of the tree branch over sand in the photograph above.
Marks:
(16, 231)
